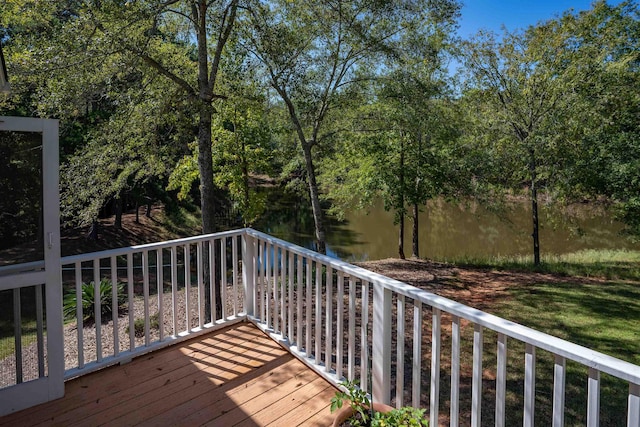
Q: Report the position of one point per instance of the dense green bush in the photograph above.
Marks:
(88, 300)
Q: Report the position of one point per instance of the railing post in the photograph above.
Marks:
(633, 415)
(381, 360)
(248, 265)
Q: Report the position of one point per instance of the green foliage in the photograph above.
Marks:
(608, 264)
(88, 294)
(138, 325)
(358, 400)
(365, 416)
(406, 417)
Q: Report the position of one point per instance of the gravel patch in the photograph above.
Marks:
(107, 341)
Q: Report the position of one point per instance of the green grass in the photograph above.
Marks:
(595, 302)
(600, 315)
(182, 221)
(29, 325)
(605, 263)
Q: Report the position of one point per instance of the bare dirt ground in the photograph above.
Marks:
(476, 287)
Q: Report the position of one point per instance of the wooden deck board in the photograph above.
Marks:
(235, 376)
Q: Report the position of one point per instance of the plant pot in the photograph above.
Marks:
(346, 412)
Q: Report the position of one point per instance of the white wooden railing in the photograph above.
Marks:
(148, 293)
(339, 319)
(406, 345)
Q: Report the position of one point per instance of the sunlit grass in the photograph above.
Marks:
(181, 221)
(594, 302)
(7, 339)
(605, 263)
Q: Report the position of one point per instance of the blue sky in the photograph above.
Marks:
(491, 14)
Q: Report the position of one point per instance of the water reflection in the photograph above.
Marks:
(448, 230)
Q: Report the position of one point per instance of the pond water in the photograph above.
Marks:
(449, 230)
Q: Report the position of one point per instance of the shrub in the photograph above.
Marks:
(88, 300)
(363, 415)
(138, 325)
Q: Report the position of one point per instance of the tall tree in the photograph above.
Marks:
(405, 127)
(181, 41)
(315, 53)
(518, 96)
(600, 52)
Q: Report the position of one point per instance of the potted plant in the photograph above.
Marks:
(361, 412)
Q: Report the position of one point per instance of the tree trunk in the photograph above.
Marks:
(148, 211)
(245, 183)
(318, 215)
(534, 208)
(416, 248)
(93, 231)
(205, 165)
(207, 203)
(401, 202)
(137, 211)
(118, 220)
(401, 237)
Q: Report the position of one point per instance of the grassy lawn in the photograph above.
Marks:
(607, 264)
(29, 326)
(597, 307)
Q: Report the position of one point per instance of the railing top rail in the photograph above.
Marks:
(21, 268)
(148, 246)
(566, 349)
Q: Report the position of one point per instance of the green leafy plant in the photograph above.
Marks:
(138, 325)
(406, 416)
(358, 400)
(88, 293)
(364, 415)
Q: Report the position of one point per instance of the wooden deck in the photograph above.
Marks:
(235, 376)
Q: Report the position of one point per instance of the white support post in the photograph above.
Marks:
(261, 278)
(559, 374)
(381, 359)
(318, 338)
(200, 273)
(364, 340)
(267, 292)
(351, 353)
(187, 284)
(248, 276)
(290, 307)
(40, 330)
(223, 275)
(299, 297)
(160, 290)
(234, 269)
(416, 365)
(145, 290)
(277, 309)
(435, 368)
(633, 416)
(328, 338)
(529, 385)
(80, 315)
(97, 308)
(115, 305)
(400, 352)
(132, 329)
(174, 289)
(501, 380)
(593, 405)
(283, 291)
(340, 326)
(455, 372)
(212, 280)
(476, 388)
(51, 222)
